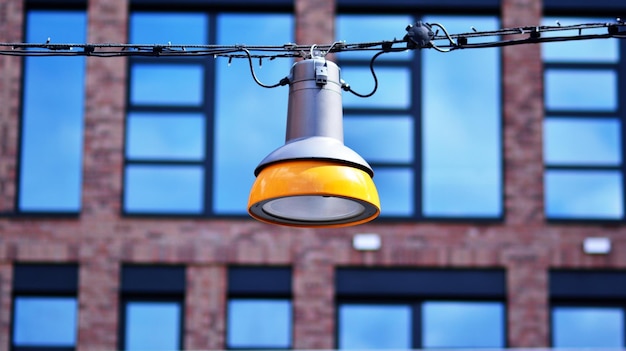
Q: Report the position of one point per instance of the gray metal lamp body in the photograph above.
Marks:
(315, 118)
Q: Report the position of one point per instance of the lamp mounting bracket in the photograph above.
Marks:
(321, 72)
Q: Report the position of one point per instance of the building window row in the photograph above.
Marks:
(376, 308)
(197, 127)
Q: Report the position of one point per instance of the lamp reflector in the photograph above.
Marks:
(313, 208)
(304, 193)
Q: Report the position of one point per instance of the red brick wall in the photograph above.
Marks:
(101, 240)
(11, 19)
(527, 260)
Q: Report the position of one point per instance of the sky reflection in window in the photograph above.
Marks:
(250, 120)
(259, 323)
(374, 327)
(52, 120)
(462, 155)
(45, 321)
(591, 194)
(152, 326)
(588, 327)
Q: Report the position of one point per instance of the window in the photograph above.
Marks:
(583, 127)
(436, 150)
(196, 128)
(152, 307)
(45, 307)
(587, 308)
(259, 308)
(167, 118)
(412, 309)
(52, 116)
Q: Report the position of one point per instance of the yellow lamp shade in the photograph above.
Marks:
(313, 193)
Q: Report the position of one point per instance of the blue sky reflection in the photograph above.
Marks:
(250, 120)
(52, 120)
(259, 323)
(584, 327)
(45, 321)
(153, 326)
(368, 327)
(462, 127)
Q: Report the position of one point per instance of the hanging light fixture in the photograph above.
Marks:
(314, 180)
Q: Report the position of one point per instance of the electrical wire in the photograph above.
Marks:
(282, 82)
(290, 50)
(420, 36)
(346, 86)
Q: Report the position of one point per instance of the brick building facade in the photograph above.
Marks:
(100, 240)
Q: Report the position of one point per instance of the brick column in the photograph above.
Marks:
(6, 304)
(523, 118)
(527, 301)
(98, 296)
(527, 266)
(315, 21)
(11, 24)
(313, 294)
(205, 308)
(104, 115)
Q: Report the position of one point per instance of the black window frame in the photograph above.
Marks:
(586, 288)
(43, 280)
(582, 8)
(151, 283)
(259, 282)
(212, 9)
(405, 286)
(38, 5)
(417, 11)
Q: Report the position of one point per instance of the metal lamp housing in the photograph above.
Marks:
(314, 180)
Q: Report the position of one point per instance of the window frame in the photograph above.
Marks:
(415, 110)
(151, 283)
(208, 108)
(43, 280)
(402, 286)
(586, 288)
(43, 5)
(602, 8)
(205, 109)
(259, 283)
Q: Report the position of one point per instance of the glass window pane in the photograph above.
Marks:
(461, 127)
(354, 29)
(470, 191)
(582, 141)
(396, 191)
(170, 27)
(170, 84)
(579, 50)
(52, 120)
(165, 136)
(152, 326)
(369, 327)
(580, 327)
(394, 87)
(380, 139)
(45, 321)
(259, 323)
(463, 324)
(250, 121)
(581, 89)
(584, 194)
(163, 189)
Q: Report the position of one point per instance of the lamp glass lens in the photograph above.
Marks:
(313, 208)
